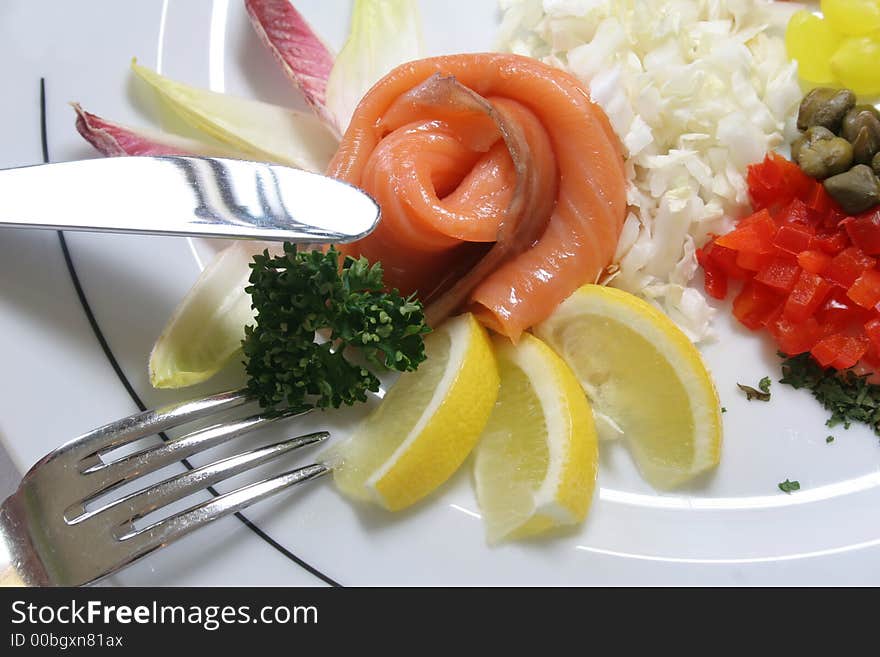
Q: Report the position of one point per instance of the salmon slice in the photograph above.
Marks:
(451, 191)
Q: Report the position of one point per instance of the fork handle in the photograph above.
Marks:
(9, 575)
(15, 553)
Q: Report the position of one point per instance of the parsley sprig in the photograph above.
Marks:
(301, 295)
(788, 486)
(848, 396)
(762, 393)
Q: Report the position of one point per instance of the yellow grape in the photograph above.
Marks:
(855, 65)
(811, 42)
(852, 17)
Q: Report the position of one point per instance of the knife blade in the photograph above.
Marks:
(187, 196)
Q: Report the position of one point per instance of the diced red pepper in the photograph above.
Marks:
(847, 266)
(808, 271)
(864, 231)
(777, 179)
(794, 239)
(815, 262)
(719, 264)
(833, 244)
(795, 338)
(833, 219)
(779, 274)
(766, 173)
(808, 294)
(838, 312)
(714, 280)
(755, 305)
(764, 183)
(872, 331)
(754, 234)
(866, 289)
(819, 201)
(760, 196)
(754, 218)
(753, 262)
(796, 212)
(715, 283)
(725, 260)
(871, 357)
(840, 351)
(800, 184)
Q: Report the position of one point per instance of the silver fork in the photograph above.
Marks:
(53, 537)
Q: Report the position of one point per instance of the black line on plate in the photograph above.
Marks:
(44, 141)
(108, 352)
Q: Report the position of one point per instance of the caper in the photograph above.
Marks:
(861, 127)
(875, 163)
(855, 190)
(796, 147)
(820, 154)
(855, 118)
(825, 107)
(811, 136)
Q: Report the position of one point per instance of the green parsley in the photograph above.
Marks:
(723, 410)
(848, 396)
(300, 296)
(752, 393)
(789, 486)
(829, 439)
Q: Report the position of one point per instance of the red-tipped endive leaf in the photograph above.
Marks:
(114, 139)
(304, 57)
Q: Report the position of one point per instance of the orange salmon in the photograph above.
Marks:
(501, 185)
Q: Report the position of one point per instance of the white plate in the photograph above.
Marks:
(735, 526)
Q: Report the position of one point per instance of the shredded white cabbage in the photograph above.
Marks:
(696, 90)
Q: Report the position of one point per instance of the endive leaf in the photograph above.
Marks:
(259, 130)
(207, 328)
(305, 58)
(113, 139)
(384, 34)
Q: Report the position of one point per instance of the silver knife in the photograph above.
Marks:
(193, 196)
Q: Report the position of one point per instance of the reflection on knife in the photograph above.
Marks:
(187, 196)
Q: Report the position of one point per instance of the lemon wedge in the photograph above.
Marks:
(535, 466)
(640, 370)
(427, 424)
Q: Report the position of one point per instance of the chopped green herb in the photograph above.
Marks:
(298, 296)
(723, 410)
(752, 393)
(764, 384)
(829, 439)
(789, 486)
(848, 396)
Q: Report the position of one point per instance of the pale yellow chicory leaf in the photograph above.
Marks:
(207, 328)
(260, 130)
(383, 35)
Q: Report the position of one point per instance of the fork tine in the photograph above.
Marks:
(138, 504)
(149, 422)
(104, 477)
(143, 541)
